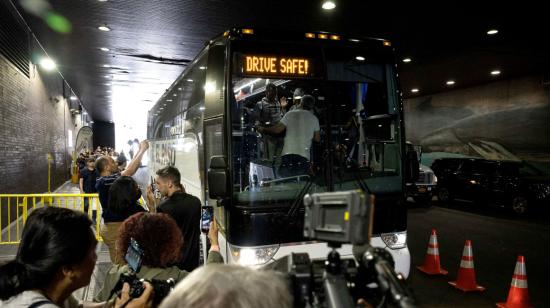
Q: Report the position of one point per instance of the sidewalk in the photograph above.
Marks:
(8, 252)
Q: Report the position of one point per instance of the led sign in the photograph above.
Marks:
(276, 66)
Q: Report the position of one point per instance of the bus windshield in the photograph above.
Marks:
(299, 122)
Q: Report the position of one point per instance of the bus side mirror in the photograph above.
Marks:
(218, 178)
(379, 128)
(412, 167)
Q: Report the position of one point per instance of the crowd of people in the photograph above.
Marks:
(57, 252)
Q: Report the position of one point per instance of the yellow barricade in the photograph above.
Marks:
(14, 210)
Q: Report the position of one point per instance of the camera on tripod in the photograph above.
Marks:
(134, 257)
(338, 218)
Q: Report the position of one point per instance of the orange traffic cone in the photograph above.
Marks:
(518, 297)
(431, 262)
(466, 280)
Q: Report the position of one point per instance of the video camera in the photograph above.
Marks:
(337, 218)
(134, 257)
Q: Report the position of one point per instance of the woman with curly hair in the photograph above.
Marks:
(160, 239)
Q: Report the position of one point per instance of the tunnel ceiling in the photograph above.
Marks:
(150, 42)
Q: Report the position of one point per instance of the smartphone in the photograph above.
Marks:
(134, 255)
(206, 218)
(155, 189)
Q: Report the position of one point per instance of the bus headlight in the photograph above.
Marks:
(253, 256)
(396, 240)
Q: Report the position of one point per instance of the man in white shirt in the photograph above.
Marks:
(301, 126)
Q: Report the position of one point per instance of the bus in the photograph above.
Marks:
(204, 125)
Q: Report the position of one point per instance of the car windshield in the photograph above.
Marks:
(314, 134)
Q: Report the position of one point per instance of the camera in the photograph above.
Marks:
(161, 288)
(337, 218)
(134, 257)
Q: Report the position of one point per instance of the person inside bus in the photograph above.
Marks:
(231, 286)
(56, 256)
(108, 173)
(184, 208)
(160, 239)
(267, 113)
(301, 126)
(296, 97)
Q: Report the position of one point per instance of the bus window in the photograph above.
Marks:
(340, 106)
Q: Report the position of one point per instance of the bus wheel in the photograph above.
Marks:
(519, 205)
(444, 195)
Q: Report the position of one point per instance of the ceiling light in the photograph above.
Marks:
(450, 82)
(407, 60)
(354, 40)
(179, 89)
(202, 67)
(415, 90)
(104, 28)
(102, 0)
(48, 64)
(175, 94)
(492, 32)
(106, 65)
(104, 49)
(190, 80)
(328, 5)
(495, 72)
(168, 100)
(360, 58)
(73, 98)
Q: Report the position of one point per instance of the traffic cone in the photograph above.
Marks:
(466, 280)
(431, 262)
(518, 297)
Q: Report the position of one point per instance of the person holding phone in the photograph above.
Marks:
(160, 241)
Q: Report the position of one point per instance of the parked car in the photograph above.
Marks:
(516, 185)
(423, 188)
(422, 191)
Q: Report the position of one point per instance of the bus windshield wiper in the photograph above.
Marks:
(298, 201)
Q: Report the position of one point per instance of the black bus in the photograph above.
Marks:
(207, 125)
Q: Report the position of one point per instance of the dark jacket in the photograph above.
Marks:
(186, 211)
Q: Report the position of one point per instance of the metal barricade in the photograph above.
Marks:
(14, 210)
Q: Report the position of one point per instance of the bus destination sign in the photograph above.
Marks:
(276, 66)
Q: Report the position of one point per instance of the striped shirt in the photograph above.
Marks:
(268, 113)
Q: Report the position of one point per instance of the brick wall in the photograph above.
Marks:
(34, 120)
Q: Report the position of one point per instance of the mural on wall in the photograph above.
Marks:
(503, 120)
(84, 140)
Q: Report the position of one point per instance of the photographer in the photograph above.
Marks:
(56, 256)
(230, 286)
(160, 240)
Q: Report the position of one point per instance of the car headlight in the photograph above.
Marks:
(395, 240)
(253, 256)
